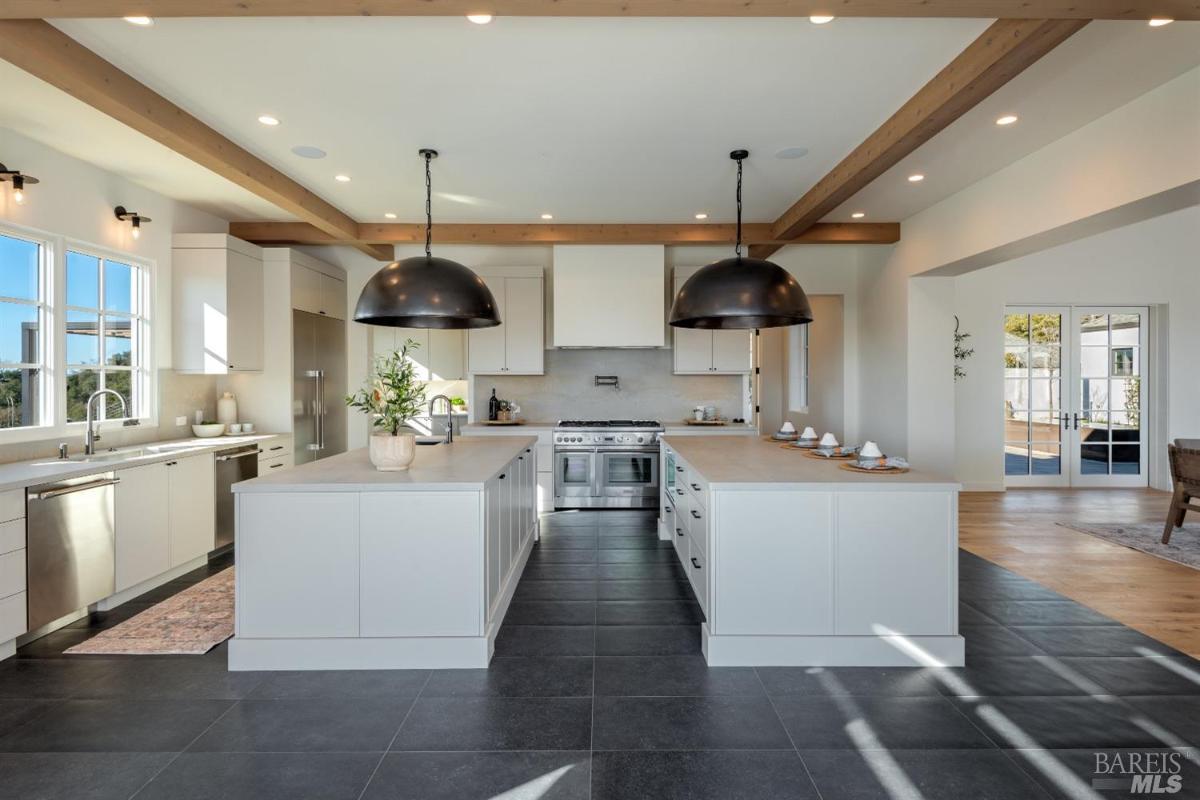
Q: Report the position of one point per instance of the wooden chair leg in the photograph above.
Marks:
(1183, 509)
(1174, 515)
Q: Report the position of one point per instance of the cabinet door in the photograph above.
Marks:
(333, 296)
(192, 495)
(141, 514)
(507, 480)
(447, 355)
(244, 277)
(732, 351)
(306, 289)
(524, 323)
(485, 346)
(492, 516)
(385, 341)
(693, 347)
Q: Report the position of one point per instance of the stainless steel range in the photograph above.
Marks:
(606, 463)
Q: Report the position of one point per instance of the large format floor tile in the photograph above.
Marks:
(687, 723)
(700, 775)
(115, 726)
(309, 724)
(647, 640)
(467, 776)
(1058, 722)
(1139, 676)
(516, 677)
(871, 723)
(497, 723)
(364, 684)
(671, 676)
(1094, 640)
(824, 681)
(78, 776)
(263, 776)
(546, 640)
(925, 774)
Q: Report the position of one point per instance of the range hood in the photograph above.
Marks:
(609, 296)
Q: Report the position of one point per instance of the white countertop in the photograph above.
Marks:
(676, 428)
(21, 474)
(743, 462)
(467, 464)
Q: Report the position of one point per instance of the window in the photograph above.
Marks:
(106, 335)
(797, 368)
(23, 346)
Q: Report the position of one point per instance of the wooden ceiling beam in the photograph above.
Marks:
(983, 9)
(1001, 53)
(393, 233)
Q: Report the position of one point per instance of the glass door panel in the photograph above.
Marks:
(1033, 396)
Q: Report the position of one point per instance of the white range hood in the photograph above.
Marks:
(609, 295)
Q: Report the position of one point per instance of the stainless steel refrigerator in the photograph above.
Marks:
(319, 393)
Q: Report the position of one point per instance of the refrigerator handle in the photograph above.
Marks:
(318, 409)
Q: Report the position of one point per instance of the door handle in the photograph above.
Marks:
(1076, 416)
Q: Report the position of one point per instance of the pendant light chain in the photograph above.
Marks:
(429, 206)
(738, 249)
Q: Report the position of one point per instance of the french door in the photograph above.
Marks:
(1074, 396)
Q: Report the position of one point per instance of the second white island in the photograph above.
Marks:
(340, 566)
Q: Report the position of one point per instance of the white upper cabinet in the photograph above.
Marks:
(217, 304)
(318, 293)
(709, 352)
(517, 345)
(609, 296)
(440, 355)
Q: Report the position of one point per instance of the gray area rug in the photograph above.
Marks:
(1147, 537)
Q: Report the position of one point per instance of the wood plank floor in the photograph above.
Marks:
(1017, 530)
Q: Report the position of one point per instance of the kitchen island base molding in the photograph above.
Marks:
(832, 651)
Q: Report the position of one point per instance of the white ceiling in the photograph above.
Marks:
(593, 120)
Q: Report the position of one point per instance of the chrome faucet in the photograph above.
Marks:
(449, 416)
(89, 438)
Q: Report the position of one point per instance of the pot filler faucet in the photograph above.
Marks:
(89, 438)
(449, 415)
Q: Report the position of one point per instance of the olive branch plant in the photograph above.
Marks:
(391, 394)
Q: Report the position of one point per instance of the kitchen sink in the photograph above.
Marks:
(111, 455)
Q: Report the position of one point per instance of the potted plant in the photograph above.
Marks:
(391, 397)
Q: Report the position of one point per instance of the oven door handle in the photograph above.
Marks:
(598, 474)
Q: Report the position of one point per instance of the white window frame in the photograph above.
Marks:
(45, 362)
(797, 369)
(53, 299)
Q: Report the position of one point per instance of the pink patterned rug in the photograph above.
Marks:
(190, 623)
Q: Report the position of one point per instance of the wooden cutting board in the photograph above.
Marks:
(709, 422)
(504, 422)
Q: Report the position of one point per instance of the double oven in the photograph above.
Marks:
(606, 464)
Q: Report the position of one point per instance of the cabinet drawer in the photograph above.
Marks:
(274, 465)
(12, 505)
(697, 487)
(697, 572)
(12, 573)
(12, 535)
(12, 617)
(275, 448)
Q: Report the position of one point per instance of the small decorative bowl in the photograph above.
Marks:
(208, 431)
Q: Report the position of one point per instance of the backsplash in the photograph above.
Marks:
(649, 388)
(179, 396)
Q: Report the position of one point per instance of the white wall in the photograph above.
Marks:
(1154, 263)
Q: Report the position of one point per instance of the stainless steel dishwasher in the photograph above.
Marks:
(71, 550)
(233, 465)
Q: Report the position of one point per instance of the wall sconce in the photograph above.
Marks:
(133, 218)
(19, 181)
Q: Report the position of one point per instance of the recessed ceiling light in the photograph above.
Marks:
(858, 215)
(480, 19)
(1007, 119)
(792, 152)
(820, 19)
(1158, 22)
(147, 21)
(308, 151)
(916, 178)
(702, 215)
(389, 215)
(547, 216)
(346, 178)
(268, 120)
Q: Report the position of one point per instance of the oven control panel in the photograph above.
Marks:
(581, 438)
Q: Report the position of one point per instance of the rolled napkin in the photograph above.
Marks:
(787, 427)
(809, 433)
(897, 461)
(829, 440)
(870, 450)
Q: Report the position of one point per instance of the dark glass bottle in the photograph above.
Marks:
(493, 406)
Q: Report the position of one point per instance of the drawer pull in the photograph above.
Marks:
(695, 563)
(695, 513)
(678, 468)
(679, 531)
(679, 491)
(696, 486)
(668, 509)
(277, 447)
(275, 466)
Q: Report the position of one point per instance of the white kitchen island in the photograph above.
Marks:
(340, 566)
(796, 562)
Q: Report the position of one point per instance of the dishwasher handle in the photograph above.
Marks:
(50, 494)
(242, 454)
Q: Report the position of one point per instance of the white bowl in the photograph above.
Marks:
(208, 431)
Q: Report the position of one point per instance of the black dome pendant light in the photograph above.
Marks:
(427, 292)
(740, 292)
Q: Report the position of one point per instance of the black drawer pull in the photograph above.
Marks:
(696, 486)
(275, 466)
(679, 531)
(668, 509)
(501, 476)
(520, 458)
(695, 563)
(679, 491)
(695, 513)
(277, 447)
(678, 468)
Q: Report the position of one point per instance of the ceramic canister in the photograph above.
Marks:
(227, 409)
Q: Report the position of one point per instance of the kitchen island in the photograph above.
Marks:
(340, 566)
(797, 562)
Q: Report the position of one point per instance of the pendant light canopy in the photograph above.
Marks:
(427, 292)
(740, 292)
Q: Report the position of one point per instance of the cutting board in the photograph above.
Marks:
(504, 422)
(709, 422)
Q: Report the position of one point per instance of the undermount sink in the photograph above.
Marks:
(111, 455)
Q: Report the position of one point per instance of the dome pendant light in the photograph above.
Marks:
(427, 292)
(740, 293)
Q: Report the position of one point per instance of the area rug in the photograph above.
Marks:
(1147, 537)
(189, 623)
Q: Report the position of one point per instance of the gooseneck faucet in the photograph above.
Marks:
(89, 438)
(449, 416)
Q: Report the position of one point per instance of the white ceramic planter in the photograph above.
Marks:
(392, 453)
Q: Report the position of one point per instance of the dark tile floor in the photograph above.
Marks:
(598, 690)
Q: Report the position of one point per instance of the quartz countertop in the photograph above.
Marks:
(467, 464)
(21, 474)
(742, 462)
(536, 425)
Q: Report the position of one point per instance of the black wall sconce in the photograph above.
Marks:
(19, 181)
(134, 218)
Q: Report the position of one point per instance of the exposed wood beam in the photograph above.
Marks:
(448, 233)
(986, 9)
(1002, 52)
(49, 54)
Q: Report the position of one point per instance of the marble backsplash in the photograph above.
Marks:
(649, 388)
(179, 396)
